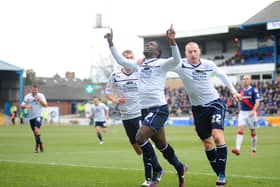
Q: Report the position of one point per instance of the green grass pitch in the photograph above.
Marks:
(74, 158)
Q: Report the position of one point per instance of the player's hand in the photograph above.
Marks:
(29, 106)
(140, 61)
(109, 37)
(237, 97)
(38, 99)
(252, 113)
(170, 33)
(121, 100)
(107, 117)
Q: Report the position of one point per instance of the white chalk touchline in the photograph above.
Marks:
(136, 169)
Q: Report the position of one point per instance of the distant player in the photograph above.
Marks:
(99, 114)
(247, 115)
(35, 102)
(152, 75)
(122, 89)
(207, 108)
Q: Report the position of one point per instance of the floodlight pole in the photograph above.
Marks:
(97, 27)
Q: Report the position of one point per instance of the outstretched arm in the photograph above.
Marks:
(117, 56)
(170, 33)
(176, 57)
(109, 37)
(227, 82)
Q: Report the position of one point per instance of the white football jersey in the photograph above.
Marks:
(198, 82)
(152, 76)
(37, 108)
(125, 85)
(99, 112)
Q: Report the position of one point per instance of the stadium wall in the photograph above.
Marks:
(188, 121)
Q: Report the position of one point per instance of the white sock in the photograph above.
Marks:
(254, 143)
(239, 139)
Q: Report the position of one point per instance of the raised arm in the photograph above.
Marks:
(176, 57)
(170, 33)
(117, 56)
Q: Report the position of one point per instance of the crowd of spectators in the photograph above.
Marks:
(179, 104)
(269, 93)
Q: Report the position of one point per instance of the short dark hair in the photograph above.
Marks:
(96, 97)
(35, 85)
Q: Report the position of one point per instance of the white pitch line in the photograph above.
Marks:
(137, 169)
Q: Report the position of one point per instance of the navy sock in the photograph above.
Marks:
(38, 139)
(99, 136)
(212, 156)
(170, 156)
(150, 156)
(148, 169)
(221, 159)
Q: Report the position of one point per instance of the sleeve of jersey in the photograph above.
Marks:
(24, 102)
(122, 60)
(44, 99)
(256, 94)
(174, 60)
(108, 89)
(224, 78)
(175, 54)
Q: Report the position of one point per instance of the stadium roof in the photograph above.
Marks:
(4, 66)
(268, 14)
(191, 33)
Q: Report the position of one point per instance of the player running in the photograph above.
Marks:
(99, 114)
(122, 89)
(154, 109)
(207, 108)
(35, 102)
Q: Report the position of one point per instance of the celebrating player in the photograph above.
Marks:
(122, 89)
(207, 108)
(152, 75)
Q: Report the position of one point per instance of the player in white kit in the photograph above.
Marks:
(99, 113)
(122, 89)
(207, 108)
(152, 75)
(35, 102)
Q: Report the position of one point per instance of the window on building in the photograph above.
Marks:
(267, 76)
(255, 77)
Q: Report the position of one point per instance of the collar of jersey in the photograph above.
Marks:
(193, 65)
(127, 74)
(246, 89)
(150, 60)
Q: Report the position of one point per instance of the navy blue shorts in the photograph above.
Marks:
(36, 122)
(131, 127)
(155, 117)
(208, 117)
(100, 124)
